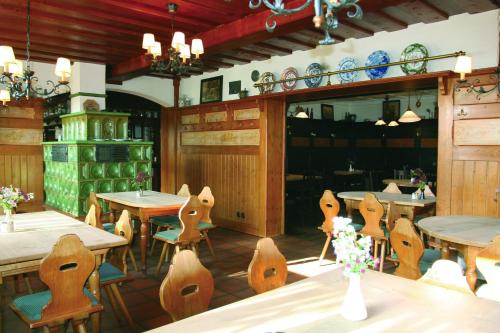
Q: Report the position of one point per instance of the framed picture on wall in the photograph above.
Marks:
(211, 90)
(327, 111)
(390, 110)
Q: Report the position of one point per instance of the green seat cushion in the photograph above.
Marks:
(172, 220)
(109, 227)
(357, 226)
(429, 257)
(108, 272)
(31, 305)
(205, 225)
(168, 235)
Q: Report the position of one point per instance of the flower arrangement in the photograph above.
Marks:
(10, 196)
(139, 180)
(351, 250)
(419, 178)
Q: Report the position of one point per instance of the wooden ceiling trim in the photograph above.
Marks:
(52, 57)
(444, 15)
(366, 32)
(393, 19)
(233, 58)
(420, 12)
(296, 41)
(253, 54)
(218, 63)
(273, 48)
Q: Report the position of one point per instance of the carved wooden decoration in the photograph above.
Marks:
(247, 114)
(190, 119)
(249, 137)
(216, 117)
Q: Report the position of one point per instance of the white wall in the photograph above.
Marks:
(155, 89)
(475, 34)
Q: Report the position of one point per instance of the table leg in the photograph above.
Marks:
(470, 253)
(445, 250)
(348, 207)
(95, 289)
(144, 241)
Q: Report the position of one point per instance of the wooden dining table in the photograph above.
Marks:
(312, 305)
(468, 234)
(151, 204)
(36, 233)
(406, 205)
(400, 182)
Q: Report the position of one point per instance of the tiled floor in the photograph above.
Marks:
(233, 250)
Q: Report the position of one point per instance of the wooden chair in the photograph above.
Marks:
(187, 288)
(413, 258)
(488, 263)
(114, 270)
(168, 221)
(92, 219)
(330, 208)
(268, 269)
(373, 211)
(93, 200)
(65, 271)
(392, 188)
(392, 215)
(187, 235)
(207, 202)
(447, 274)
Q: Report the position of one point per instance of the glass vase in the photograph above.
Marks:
(7, 225)
(139, 193)
(353, 307)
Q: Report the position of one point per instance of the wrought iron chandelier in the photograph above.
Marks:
(18, 82)
(325, 13)
(178, 60)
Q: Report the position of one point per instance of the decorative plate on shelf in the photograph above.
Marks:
(411, 52)
(287, 74)
(346, 64)
(377, 58)
(313, 69)
(266, 79)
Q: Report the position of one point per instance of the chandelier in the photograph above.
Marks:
(18, 82)
(325, 13)
(178, 59)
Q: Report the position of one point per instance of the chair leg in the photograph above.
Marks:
(177, 248)
(27, 283)
(162, 258)
(209, 242)
(112, 301)
(158, 229)
(123, 307)
(325, 247)
(79, 326)
(382, 255)
(132, 259)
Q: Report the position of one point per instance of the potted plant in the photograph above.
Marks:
(139, 183)
(353, 251)
(10, 197)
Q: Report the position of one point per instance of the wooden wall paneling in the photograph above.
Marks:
(168, 118)
(476, 132)
(477, 111)
(463, 97)
(492, 183)
(276, 116)
(457, 195)
(479, 188)
(445, 148)
(468, 187)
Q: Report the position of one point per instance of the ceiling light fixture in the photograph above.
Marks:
(409, 116)
(324, 19)
(380, 122)
(393, 124)
(178, 59)
(21, 82)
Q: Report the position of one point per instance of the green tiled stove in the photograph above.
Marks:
(94, 156)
